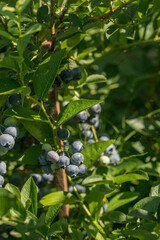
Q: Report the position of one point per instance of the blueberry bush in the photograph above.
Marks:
(79, 119)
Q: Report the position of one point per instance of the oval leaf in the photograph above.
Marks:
(138, 175)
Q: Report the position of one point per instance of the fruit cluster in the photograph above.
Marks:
(3, 168)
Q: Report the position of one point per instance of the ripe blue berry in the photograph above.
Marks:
(63, 153)
(72, 170)
(114, 157)
(80, 188)
(77, 146)
(15, 99)
(63, 134)
(42, 160)
(93, 119)
(77, 74)
(82, 170)
(81, 117)
(47, 177)
(103, 137)
(13, 131)
(63, 162)
(66, 75)
(77, 158)
(87, 134)
(36, 177)
(84, 126)
(65, 103)
(90, 141)
(96, 109)
(110, 149)
(47, 169)
(3, 168)
(6, 142)
(52, 156)
(1, 180)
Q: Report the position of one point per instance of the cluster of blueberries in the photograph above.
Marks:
(52, 160)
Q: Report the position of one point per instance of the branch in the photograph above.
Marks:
(109, 13)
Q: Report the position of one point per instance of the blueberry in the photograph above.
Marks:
(6, 142)
(114, 157)
(93, 119)
(63, 133)
(66, 75)
(103, 137)
(3, 168)
(70, 189)
(80, 188)
(15, 99)
(1, 180)
(110, 149)
(47, 169)
(81, 117)
(82, 170)
(65, 103)
(65, 142)
(63, 153)
(47, 177)
(42, 160)
(77, 158)
(90, 141)
(87, 134)
(72, 170)
(52, 156)
(13, 131)
(96, 109)
(97, 125)
(77, 74)
(77, 146)
(0, 186)
(36, 177)
(85, 126)
(46, 147)
(63, 162)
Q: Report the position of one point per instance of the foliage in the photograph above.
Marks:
(115, 43)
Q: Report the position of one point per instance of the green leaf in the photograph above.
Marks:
(33, 29)
(10, 86)
(31, 154)
(139, 234)
(96, 78)
(42, 14)
(24, 114)
(9, 63)
(149, 203)
(7, 200)
(72, 42)
(73, 108)
(40, 130)
(92, 151)
(75, 233)
(29, 192)
(52, 213)
(96, 179)
(6, 35)
(115, 216)
(59, 197)
(141, 213)
(58, 227)
(46, 73)
(21, 5)
(13, 189)
(121, 199)
(138, 175)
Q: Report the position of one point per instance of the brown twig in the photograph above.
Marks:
(60, 175)
(109, 13)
